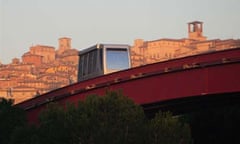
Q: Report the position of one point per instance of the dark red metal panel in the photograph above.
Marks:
(224, 78)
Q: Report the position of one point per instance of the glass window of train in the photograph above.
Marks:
(85, 64)
(90, 62)
(101, 59)
(94, 60)
(80, 69)
(117, 59)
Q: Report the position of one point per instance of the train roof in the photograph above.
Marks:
(101, 45)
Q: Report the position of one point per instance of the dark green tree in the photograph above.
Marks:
(10, 118)
(167, 129)
(27, 134)
(53, 127)
(114, 119)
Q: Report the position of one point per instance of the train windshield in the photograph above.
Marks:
(117, 59)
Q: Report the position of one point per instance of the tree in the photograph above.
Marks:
(166, 129)
(27, 134)
(10, 118)
(114, 119)
(53, 127)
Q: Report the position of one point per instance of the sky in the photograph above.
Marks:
(24, 23)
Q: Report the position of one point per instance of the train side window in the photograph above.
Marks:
(80, 69)
(101, 58)
(94, 67)
(90, 62)
(85, 64)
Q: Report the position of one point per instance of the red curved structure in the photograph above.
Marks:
(199, 75)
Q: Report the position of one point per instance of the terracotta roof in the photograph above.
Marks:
(167, 39)
(64, 38)
(22, 87)
(195, 22)
(43, 46)
(29, 54)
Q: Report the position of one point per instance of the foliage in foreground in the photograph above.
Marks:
(112, 118)
(10, 118)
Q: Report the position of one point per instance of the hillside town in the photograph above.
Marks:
(41, 69)
(45, 68)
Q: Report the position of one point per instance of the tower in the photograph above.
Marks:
(195, 31)
(64, 44)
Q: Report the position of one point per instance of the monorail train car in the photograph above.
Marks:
(102, 59)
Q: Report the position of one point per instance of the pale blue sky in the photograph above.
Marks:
(29, 22)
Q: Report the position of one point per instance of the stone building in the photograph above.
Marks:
(146, 52)
(64, 44)
(65, 53)
(47, 52)
(34, 59)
